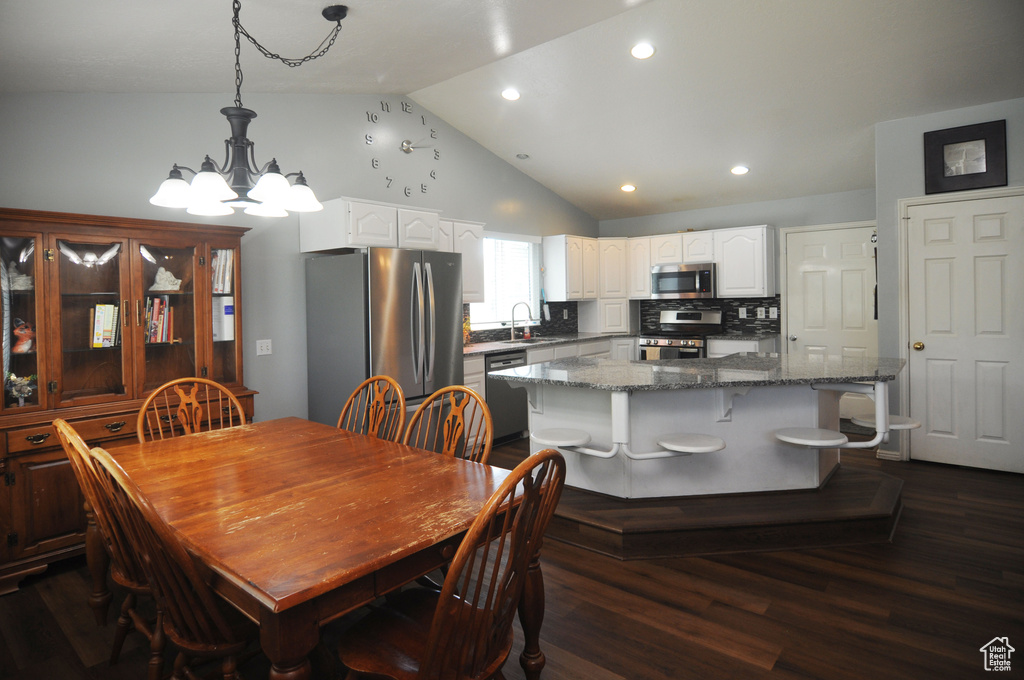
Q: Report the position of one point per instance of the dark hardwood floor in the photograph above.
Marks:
(920, 607)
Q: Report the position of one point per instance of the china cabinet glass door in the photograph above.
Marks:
(165, 313)
(92, 363)
(23, 322)
(224, 329)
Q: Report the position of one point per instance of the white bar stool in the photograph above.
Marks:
(571, 439)
(686, 443)
(813, 437)
(895, 422)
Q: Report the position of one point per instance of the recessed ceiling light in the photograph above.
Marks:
(740, 170)
(522, 156)
(628, 187)
(510, 93)
(642, 50)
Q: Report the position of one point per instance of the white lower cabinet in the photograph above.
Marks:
(599, 349)
(474, 374)
(540, 355)
(720, 348)
(624, 348)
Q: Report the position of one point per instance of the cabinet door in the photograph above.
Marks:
(591, 268)
(372, 225)
(223, 363)
(474, 375)
(624, 348)
(667, 249)
(418, 229)
(639, 268)
(446, 236)
(46, 504)
(612, 268)
(740, 255)
(163, 321)
(573, 268)
(24, 322)
(90, 345)
(698, 246)
(469, 241)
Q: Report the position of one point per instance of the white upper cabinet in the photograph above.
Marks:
(345, 223)
(613, 268)
(667, 249)
(570, 268)
(745, 259)
(467, 238)
(638, 267)
(698, 246)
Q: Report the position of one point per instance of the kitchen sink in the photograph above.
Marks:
(521, 341)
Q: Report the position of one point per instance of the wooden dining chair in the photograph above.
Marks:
(125, 565)
(186, 406)
(189, 612)
(375, 408)
(453, 421)
(465, 631)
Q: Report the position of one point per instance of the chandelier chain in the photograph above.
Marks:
(320, 50)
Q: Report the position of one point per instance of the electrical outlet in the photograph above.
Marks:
(760, 312)
(263, 347)
(743, 312)
(565, 314)
(773, 312)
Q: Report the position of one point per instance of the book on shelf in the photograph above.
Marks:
(97, 325)
(223, 318)
(103, 322)
(223, 270)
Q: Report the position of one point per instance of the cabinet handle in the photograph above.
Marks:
(37, 438)
(116, 426)
(138, 312)
(124, 313)
(168, 419)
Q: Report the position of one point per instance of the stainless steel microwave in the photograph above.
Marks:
(683, 281)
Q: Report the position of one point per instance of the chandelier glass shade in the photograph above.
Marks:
(240, 182)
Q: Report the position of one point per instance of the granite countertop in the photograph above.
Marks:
(735, 370)
(494, 347)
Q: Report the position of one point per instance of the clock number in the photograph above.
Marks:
(433, 174)
(385, 107)
(408, 191)
(406, 107)
(423, 188)
(423, 120)
(433, 133)
(437, 154)
(371, 116)
(369, 139)
(389, 180)
(375, 163)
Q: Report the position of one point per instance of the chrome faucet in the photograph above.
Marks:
(528, 317)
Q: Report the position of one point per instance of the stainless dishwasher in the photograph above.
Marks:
(509, 410)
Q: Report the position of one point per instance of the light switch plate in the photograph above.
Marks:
(760, 312)
(264, 347)
(773, 312)
(743, 312)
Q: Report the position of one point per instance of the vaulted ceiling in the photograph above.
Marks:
(790, 88)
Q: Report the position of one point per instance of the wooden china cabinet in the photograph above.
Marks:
(97, 312)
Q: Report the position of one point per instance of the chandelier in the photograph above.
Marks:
(240, 182)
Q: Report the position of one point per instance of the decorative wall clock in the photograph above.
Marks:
(402, 140)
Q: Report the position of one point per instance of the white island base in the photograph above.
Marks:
(753, 460)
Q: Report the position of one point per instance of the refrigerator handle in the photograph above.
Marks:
(417, 321)
(429, 275)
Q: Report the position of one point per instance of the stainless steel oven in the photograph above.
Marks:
(679, 334)
(682, 281)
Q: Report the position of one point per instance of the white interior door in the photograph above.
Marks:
(966, 330)
(830, 298)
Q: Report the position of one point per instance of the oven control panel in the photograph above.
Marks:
(672, 342)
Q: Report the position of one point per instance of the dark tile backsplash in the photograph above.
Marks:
(731, 321)
(557, 325)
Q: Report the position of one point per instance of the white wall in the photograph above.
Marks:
(848, 206)
(62, 152)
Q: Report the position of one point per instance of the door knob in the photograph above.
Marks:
(919, 346)
(792, 337)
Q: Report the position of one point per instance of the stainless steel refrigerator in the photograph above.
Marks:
(382, 311)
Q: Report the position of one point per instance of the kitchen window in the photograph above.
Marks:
(511, 275)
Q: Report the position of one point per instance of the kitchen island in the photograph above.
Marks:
(627, 406)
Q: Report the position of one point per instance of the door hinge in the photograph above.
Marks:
(52, 386)
(12, 538)
(48, 254)
(202, 373)
(9, 479)
(202, 261)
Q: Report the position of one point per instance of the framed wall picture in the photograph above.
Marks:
(967, 157)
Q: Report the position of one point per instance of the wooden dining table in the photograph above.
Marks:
(301, 523)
